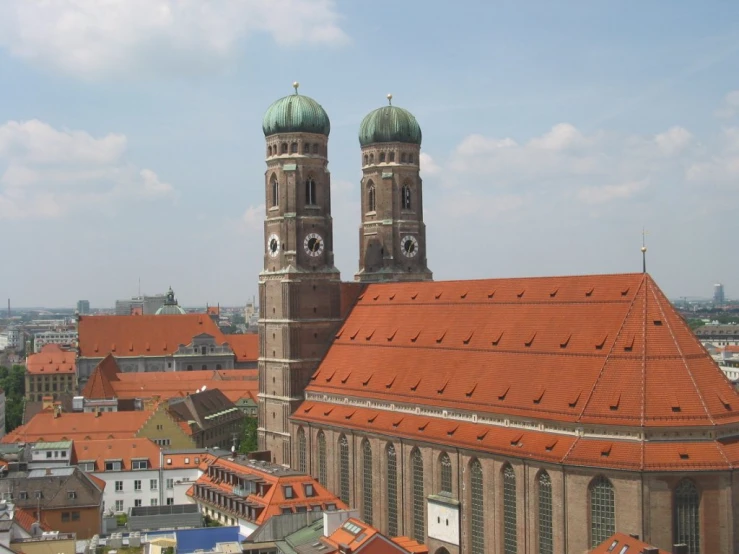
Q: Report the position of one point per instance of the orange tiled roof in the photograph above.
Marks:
(245, 346)
(141, 335)
(616, 543)
(45, 426)
(368, 540)
(51, 360)
(26, 518)
(605, 349)
(186, 460)
(213, 310)
(125, 450)
(99, 385)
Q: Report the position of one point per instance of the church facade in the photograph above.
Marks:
(526, 416)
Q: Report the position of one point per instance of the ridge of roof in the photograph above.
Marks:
(99, 385)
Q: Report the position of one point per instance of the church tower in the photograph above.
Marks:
(392, 237)
(299, 288)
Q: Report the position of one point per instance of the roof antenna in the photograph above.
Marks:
(643, 250)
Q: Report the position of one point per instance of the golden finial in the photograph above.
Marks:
(390, 99)
(296, 85)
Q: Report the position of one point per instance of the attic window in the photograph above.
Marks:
(390, 383)
(415, 337)
(328, 379)
(606, 450)
(629, 344)
(350, 414)
(169, 460)
(328, 412)
(414, 296)
(724, 401)
(441, 337)
(438, 295)
(574, 399)
(601, 342)
(469, 337)
(625, 291)
(423, 427)
(376, 297)
(675, 404)
(346, 378)
(353, 336)
(398, 422)
(392, 297)
(516, 441)
(471, 391)
(530, 341)
(658, 322)
(491, 294)
(566, 341)
(341, 332)
(443, 387)
(497, 340)
(615, 401)
(368, 337)
(414, 387)
(463, 295)
(372, 419)
(553, 293)
(520, 294)
(365, 383)
(539, 394)
(391, 336)
(550, 446)
(590, 292)
(306, 410)
(684, 454)
(288, 491)
(453, 430)
(503, 392)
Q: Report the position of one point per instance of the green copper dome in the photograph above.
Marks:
(296, 114)
(389, 124)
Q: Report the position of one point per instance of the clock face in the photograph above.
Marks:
(273, 245)
(409, 246)
(313, 244)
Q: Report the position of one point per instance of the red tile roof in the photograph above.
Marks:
(25, 518)
(368, 540)
(616, 543)
(125, 450)
(245, 346)
(99, 385)
(46, 426)
(51, 360)
(606, 349)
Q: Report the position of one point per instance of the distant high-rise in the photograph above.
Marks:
(141, 305)
(83, 307)
(718, 294)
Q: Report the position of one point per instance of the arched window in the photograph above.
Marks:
(275, 192)
(284, 148)
(302, 467)
(477, 509)
(546, 537)
(306, 148)
(445, 466)
(406, 197)
(392, 156)
(366, 159)
(315, 149)
(392, 491)
(510, 530)
(410, 158)
(294, 147)
(269, 151)
(602, 511)
(371, 202)
(344, 469)
(403, 157)
(310, 192)
(382, 157)
(367, 481)
(322, 459)
(687, 516)
(372, 158)
(419, 529)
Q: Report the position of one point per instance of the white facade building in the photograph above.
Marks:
(180, 470)
(65, 338)
(15, 338)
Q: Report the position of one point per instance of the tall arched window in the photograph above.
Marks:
(445, 466)
(302, 467)
(372, 158)
(344, 469)
(284, 148)
(315, 148)
(322, 459)
(275, 192)
(366, 159)
(419, 529)
(382, 157)
(477, 509)
(602, 511)
(546, 537)
(392, 491)
(406, 197)
(367, 481)
(510, 530)
(310, 192)
(371, 197)
(306, 148)
(687, 516)
(294, 148)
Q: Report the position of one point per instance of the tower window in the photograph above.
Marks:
(382, 157)
(406, 197)
(392, 156)
(306, 148)
(410, 158)
(269, 151)
(284, 148)
(366, 159)
(315, 149)
(372, 158)
(371, 197)
(275, 193)
(294, 148)
(403, 157)
(310, 192)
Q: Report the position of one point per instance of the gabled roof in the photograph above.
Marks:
(25, 518)
(615, 545)
(51, 426)
(365, 539)
(123, 450)
(99, 385)
(605, 349)
(51, 360)
(141, 335)
(202, 407)
(244, 346)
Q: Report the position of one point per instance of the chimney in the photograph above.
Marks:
(97, 412)
(680, 549)
(47, 402)
(57, 411)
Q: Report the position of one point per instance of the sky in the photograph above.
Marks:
(131, 145)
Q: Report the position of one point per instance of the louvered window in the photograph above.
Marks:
(392, 491)
(367, 481)
(310, 192)
(322, 458)
(510, 531)
(406, 197)
(546, 538)
(275, 193)
(302, 466)
(602, 511)
(344, 469)
(419, 529)
(687, 516)
(477, 510)
(371, 202)
(446, 473)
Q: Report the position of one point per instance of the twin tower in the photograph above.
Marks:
(300, 290)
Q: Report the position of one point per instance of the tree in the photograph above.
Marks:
(248, 441)
(13, 382)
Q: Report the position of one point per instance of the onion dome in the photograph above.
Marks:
(296, 114)
(389, 124)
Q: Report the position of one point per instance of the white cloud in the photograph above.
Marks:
(608, 193)
(48, 173)
(722, 167)
(428, 165)
(673, 141)
(730, 106)
(93, 37)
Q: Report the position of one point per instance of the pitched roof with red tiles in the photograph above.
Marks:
(213, 310)
(99, 385)
(244, 346)
(615, 545)
(125, 450)
(360, 537)
(51, 360)
(141, 335)
(276, 480)
(51, 426)
(25, 518)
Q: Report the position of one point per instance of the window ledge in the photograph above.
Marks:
(274, 208)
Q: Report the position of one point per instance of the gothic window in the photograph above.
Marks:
(510, 531)
(687, 516)
(284, 148)
(344, 469)
(477, 509)
(310, 192)
(445, 464)
(302, 466)
(403, 157)
(392, 491)
(367, 482)
(382, 157)
(546, 540)
(406, 197)
(322, 459)
(306, 148)
(294, 147)
(392, 156)
(602, 511)
(366, 159)
(275, 193)
(410, 158)
(269, 151)
(315, 149)
(372, 158)
(371, 203)
(419, 529)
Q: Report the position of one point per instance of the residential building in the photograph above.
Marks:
(180, 469)
(49, 454)
(718, 335)
(83, 307)
(66, 338)
(621, 542)
(68, 500)
(51, 372)
(719, 298)
(16, 338)
(140, 305)
(236, 491)
(210, 417)
(2, 413)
